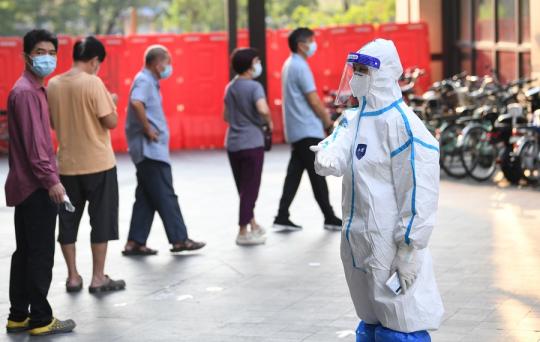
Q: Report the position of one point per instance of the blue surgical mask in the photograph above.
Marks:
(312, 49)
(43, 65)
(257, 70)
(166, 73)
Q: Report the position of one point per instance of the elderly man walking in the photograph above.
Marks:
(148, 141)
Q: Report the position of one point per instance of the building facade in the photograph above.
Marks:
(479, 36)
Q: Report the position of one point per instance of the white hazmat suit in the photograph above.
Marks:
(390, 167)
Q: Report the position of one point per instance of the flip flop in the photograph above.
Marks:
(111, 285)
(76, 288)
(139, 251)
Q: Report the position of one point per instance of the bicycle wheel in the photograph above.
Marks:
(478, 154)
(529, 158)
(450, 151)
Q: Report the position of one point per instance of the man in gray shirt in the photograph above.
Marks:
(306, 120)
(148, 141)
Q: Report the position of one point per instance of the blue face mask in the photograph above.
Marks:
(312, 49)
(43, 65)
(166, 73)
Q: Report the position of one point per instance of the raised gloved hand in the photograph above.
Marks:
(325, 163)
(407, 263)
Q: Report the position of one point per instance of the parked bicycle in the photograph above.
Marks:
(486, 140)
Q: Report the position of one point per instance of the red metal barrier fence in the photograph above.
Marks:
(11, 64)
(193, 96)
(412, 43)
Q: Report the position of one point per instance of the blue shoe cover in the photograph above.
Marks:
(383, 334)
(365, 332)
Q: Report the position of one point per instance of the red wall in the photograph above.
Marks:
(193, 96)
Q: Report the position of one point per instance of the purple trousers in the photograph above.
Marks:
(247, 167)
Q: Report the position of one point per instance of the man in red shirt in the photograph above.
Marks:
(33, 188)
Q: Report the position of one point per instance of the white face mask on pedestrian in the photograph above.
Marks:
(257, 70)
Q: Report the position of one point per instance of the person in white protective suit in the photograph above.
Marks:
(390, 167)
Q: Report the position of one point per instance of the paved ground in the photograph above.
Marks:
(485, 249)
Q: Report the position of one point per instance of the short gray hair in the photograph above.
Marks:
(155, 52)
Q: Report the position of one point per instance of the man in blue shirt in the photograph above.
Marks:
(306, 120)
(148, 141)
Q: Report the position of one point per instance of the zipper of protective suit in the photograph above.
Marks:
(364, 102)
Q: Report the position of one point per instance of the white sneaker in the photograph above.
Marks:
(259, 231)
(250, 239)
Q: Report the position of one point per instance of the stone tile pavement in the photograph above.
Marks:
(292, 289)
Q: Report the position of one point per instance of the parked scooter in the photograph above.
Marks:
(527, 149)
(525, 140)
(409, 81)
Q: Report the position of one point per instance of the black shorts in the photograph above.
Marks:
(101, 191)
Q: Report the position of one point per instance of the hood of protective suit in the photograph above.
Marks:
(384, 87)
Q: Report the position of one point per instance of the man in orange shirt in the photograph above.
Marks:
(82, 113)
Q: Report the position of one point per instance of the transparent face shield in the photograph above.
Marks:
(355, 79)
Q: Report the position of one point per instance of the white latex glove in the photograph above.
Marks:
(325, 163)
(407, 263)
(323, 159)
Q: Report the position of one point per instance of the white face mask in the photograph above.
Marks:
(257, 70)
(359, 84)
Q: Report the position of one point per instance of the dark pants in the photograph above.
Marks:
(155, 192)
(247, 167)
(32, 262)
(101, 191)
(303, 159)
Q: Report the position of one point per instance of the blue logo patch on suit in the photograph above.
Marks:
(361, 151)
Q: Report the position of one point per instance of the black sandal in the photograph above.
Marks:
(76, 288)
(111, 285)
(139, 251)
(187, 245)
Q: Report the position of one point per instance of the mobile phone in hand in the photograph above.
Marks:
(393, 284)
